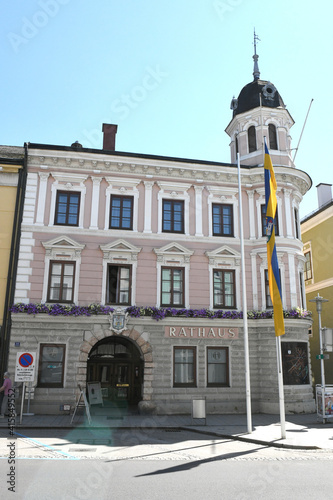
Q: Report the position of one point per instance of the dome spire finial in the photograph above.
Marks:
(256, 72)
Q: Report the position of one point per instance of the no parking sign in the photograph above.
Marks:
(25, 367)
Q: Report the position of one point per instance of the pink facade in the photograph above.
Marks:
(198, 236)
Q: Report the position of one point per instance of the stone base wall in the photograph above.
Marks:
(80, 334)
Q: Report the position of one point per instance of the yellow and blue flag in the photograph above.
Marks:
(273, 266)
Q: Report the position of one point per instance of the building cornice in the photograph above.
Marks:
(161, 169)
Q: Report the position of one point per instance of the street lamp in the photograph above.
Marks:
(319, 306)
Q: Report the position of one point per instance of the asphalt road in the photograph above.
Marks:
(155, 464)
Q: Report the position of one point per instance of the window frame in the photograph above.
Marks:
(268, 300)
(48, 384)
(122, 198)
(172, 211)
(272, 136)
(118, 290)
(302, 289)
(185, 384)
(218, 384)
(63, 263)
(172, 269)
(267, 292)
(221, 207)
(308, 268)
(68, 194)
(223, 272)
(297, 224)
(252, 139)
(263, 220)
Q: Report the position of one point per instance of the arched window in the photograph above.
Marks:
(272, 136)
(236, 142)
(251, 135)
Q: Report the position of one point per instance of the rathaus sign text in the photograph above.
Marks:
(199, 332)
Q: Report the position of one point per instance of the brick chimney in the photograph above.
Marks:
(324, 194)
(109, 136)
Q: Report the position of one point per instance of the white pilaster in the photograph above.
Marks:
(292, 280)
(148, 206)
(254, 281)
(43, 177)
(250, 195)
(95, 202)
(198, 210)
(30, 199)
(287, 208)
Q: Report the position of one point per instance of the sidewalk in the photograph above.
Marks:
(304, 431)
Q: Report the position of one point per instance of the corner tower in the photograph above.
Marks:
(260, 111)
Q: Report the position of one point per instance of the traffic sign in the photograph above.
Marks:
(323, 356)
(26, 359)
(25, 367)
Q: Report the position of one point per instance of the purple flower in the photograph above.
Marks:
(157, 313)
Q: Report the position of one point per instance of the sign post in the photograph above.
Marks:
(25, 372)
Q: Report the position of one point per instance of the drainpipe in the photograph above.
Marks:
(13, 259)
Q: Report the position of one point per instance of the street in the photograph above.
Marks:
(156, 464)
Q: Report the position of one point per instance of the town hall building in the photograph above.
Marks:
(129, 272)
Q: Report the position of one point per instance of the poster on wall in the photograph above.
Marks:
(295, 363)
(95, 393)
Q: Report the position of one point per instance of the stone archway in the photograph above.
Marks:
(139, 339)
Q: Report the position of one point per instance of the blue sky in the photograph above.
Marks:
(165, 71)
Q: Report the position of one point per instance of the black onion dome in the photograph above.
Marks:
(249, 97)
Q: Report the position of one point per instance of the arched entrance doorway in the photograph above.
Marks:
(117, 364)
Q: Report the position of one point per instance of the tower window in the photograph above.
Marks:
(251, 135)
(272, 136)
(297, 226)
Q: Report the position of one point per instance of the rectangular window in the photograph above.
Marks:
(51, 365)
(301, 288)
(217, 367)
(307, 266)
(61, 281)
(224, 289)
(269, 303)
(119, 285)
(172, 287)
(297, 227)
(173, 216)
(121, 212)
(184, 367)
(67, 209)
(263, 221)
(223, 224)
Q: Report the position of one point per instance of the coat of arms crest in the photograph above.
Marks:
(118, 320)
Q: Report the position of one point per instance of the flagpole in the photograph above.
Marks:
(245, 328)
(281, 392)
(274, 277)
